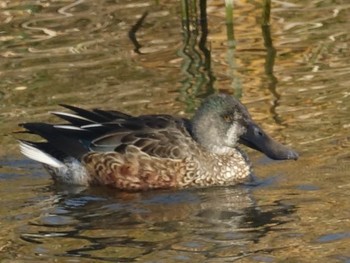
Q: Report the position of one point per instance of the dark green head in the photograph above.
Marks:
(222, 121)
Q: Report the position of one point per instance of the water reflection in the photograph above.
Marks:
(196, 65)
(236, 82)
(133, 31)
(103, 224)
(270, 59)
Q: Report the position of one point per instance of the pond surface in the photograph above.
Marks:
(162, 57)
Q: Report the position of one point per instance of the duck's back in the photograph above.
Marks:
(113, 148)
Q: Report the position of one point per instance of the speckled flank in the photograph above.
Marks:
(135, 170)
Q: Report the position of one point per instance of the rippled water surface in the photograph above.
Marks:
(163, 57)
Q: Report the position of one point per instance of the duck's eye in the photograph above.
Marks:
(258, 132)
(227, 118)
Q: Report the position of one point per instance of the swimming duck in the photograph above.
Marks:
(115, 149)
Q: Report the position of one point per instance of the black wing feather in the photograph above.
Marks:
(59, 141)
(99, 130)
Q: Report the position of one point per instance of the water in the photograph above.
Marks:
(294, 77)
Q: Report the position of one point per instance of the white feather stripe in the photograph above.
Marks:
(37, 155)
(91, 125)
(68, 127)
(58, 113)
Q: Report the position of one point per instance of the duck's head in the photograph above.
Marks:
(222, 121)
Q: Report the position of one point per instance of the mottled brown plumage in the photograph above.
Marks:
(152, 151)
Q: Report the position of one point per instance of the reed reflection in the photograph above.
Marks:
(196, 66)
(270, 59)
(236, 83)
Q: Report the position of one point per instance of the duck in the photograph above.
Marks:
(135, 153)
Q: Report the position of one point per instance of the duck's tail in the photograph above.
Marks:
(37, 152)
(66, 144)
(63, 169)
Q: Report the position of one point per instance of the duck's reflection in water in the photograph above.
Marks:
(207, 221)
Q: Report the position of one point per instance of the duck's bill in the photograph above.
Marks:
(257, 139)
